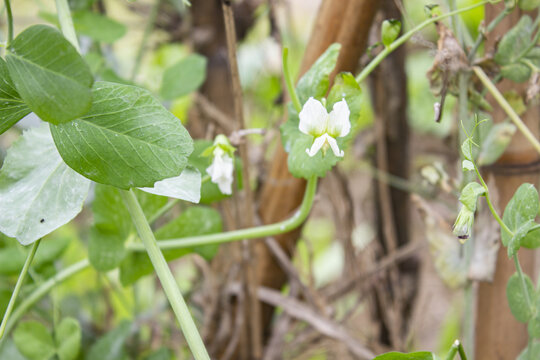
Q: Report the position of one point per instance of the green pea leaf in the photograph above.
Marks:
(127, 139)
(112, 225)
(183, 77)
(495, 143)
(532, 239)
(34, 341)
(98, 27)
(519, 234)
(421, 355)
(315, 81)
(514, 42)
(390, 31)
(518, 72)
(12, 107)
(521, 208)
(13, 257)
(111, 346)
(470, 193)
(528, 5)
(197, 220)
(38, 191)
(346, 87)
(517, 299)
(161, 354)
(466, 149)
(186, 186)
(49, 74)
(68, 339)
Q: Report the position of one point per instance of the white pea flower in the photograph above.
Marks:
(464, 224)
(315, 121)
(221, 170)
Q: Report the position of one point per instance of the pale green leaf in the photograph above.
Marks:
(515, 242)
(127, 139)
(12, 107)
(316, 80)
(514, 42)
(98, 27)
(467, 165)
(111, 346)
(38, 191)
(517, 299)
(518, 72)
(528, 5)
(49, 74)
(521, 208)
(495, 143)
(161, 354)
(470, 193)
(12, 258)
(34, 341)
(390, 31)
(183, 77)
(186, 186)
(68, 339)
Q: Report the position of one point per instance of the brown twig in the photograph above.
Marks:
(254, 316)
(213, 113)
(294, 277)
(302, 312)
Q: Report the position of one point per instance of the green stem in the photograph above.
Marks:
(403, 38)
(456, 348)
(250, 233)
(507, 107)
(18, 286)
(9, 15)
(522, 280)
(490, 27)
(146, 35)
(66, 23)
(289, 82)
(166, 277)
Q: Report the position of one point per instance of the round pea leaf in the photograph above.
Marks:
(12, 108)
(49, 74)
(127, 139)
(38, 191)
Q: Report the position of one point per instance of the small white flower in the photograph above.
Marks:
(221, 170)
(464, 224)
(315, 121)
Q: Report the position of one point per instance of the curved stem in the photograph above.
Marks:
(44, 289)
(289, 82)
(403, 38)
(507, 108)
(165, 276)
(9, 16)
(18, 286)
(66, 23)
(250, 233)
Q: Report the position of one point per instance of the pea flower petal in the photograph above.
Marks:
(324, 127)
(221, 171)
